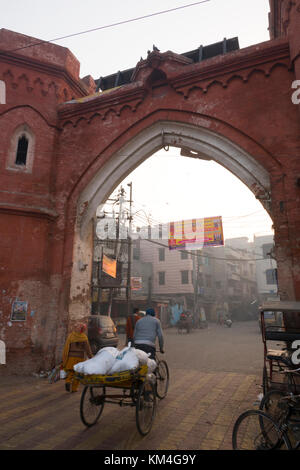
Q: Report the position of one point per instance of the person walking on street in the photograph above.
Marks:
(147, 329)
(130, 324)
(76, 348)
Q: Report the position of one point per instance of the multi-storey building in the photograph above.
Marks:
(266, 267)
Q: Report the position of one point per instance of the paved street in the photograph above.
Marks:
(215, 375)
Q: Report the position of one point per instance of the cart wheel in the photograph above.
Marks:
(162, 379)
(91, 404)
(145, 408)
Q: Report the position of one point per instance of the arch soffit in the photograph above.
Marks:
(206, 144)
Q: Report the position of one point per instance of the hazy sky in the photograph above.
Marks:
(195, 188)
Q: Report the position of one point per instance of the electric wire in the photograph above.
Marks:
(112, 25)
(141, 218)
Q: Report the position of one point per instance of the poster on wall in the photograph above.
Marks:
(19, 310)
(136, 283)
(195, 234)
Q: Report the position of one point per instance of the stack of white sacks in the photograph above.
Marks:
(111, 360)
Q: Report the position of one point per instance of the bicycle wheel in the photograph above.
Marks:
(162, 379)
(255, 430)
(91, 404)
(269, 404)
(145, 408)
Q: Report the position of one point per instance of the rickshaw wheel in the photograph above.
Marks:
(91, 404)
(269, 404)
(162, 379)
(145, 408)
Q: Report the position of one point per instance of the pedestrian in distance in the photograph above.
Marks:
(130, 324)
(76, 349)
(147, 329)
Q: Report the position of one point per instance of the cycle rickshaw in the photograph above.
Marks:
(132, 388)
(280, 329)
(276, 424)
(185, 323)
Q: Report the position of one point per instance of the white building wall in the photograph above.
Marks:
(262, 265)
(172, 266)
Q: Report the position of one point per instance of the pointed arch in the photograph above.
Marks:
(198, 139)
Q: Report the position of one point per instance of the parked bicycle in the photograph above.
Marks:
(276, 425)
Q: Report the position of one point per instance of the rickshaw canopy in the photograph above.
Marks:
(280, 306)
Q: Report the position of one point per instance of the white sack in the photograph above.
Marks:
(151, 365)
(123, 351)
(126, 361)
(100, 364)
(142, 356)
(111, 350)
(79, 367)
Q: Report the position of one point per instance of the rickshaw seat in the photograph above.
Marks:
(278, 355)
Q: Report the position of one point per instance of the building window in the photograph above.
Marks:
(184, 255)
(21, 153)
(2, 92)
(161, 254)
(22, 150)
(161, 278)
(184, 277)
(218, 284)
(271, 276)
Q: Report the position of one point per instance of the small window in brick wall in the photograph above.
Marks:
(22, 150)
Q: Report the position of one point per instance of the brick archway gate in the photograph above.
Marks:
(235, 109)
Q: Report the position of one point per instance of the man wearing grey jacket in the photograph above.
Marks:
(145, 333)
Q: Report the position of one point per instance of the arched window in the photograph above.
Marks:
(2, 92)
(22, 150)
(21, 153)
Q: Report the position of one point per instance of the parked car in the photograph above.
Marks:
(102, 332)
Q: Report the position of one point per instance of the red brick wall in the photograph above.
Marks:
(244, 96)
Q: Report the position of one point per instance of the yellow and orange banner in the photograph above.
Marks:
(194, 234)
(109, 266)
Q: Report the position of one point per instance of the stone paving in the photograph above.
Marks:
(197, 414)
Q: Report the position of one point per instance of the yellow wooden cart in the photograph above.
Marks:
(134, 390)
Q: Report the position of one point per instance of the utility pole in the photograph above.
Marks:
(128, 289)
(117, 246)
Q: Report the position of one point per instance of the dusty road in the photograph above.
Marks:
(215, 349)
(215, 374)
(236, 349)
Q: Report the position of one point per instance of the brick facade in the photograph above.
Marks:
(235, 108)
